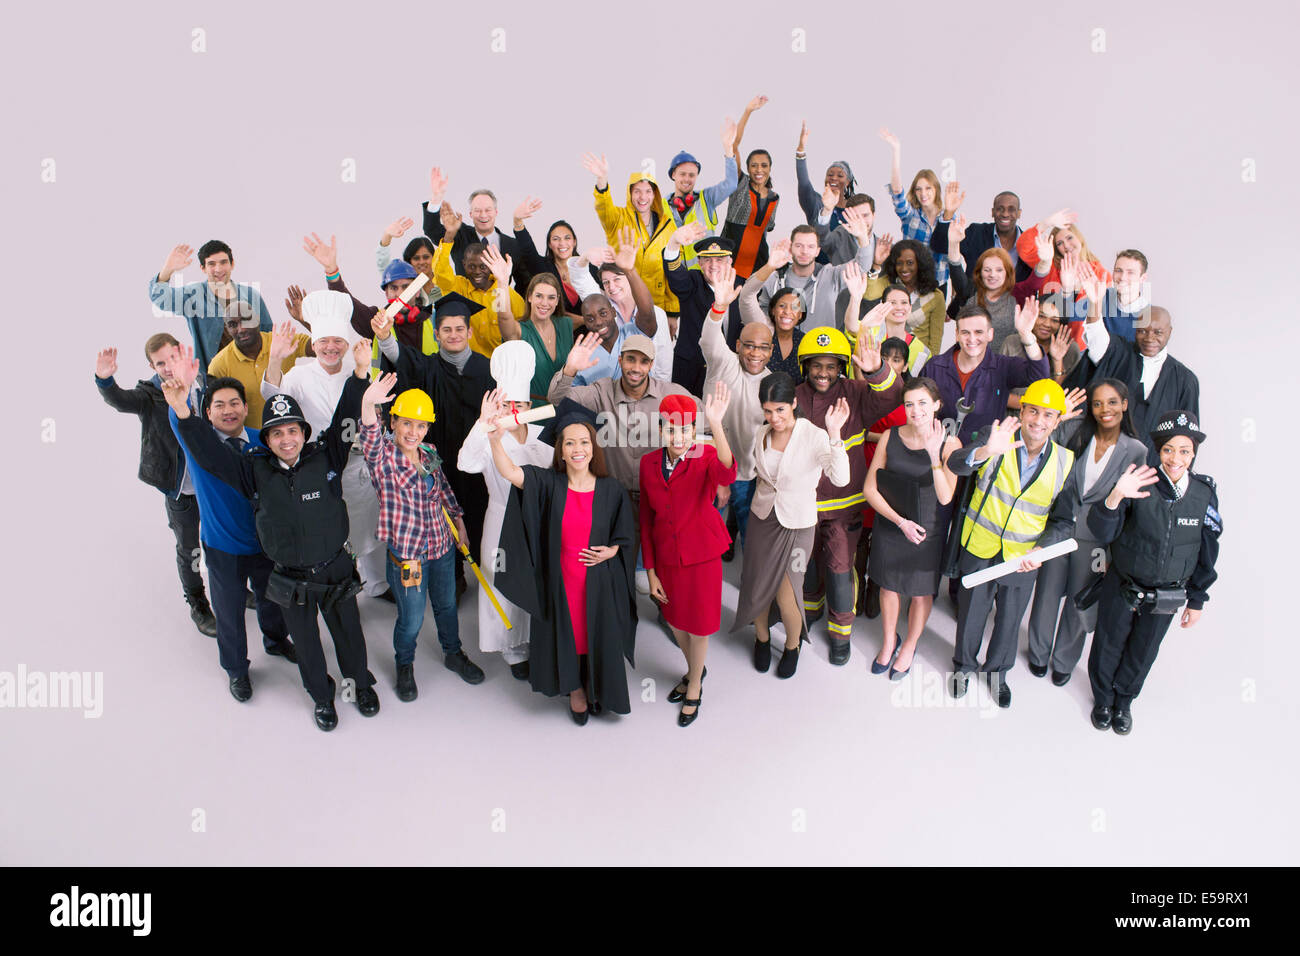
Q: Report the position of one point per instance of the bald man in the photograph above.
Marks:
(1157, 382)
(741, 371)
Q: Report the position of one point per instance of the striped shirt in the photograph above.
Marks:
(410, 501)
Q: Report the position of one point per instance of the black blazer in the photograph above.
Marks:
(979, 236)
(467, 235)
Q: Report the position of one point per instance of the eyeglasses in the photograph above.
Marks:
(756, 346)
(249, 323)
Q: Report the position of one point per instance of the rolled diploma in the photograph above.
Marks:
(540, 413)
(976, 578)
(404, 300)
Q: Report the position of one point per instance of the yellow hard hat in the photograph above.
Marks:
(414, 403)
(824, 340)
(1045, 393)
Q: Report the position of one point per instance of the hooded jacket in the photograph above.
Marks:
(650, 244)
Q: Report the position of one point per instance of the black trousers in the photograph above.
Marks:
(183, 519)
(226, 576)
(1011, 595)
(690, 374)
(344, 623)
(1124, 647)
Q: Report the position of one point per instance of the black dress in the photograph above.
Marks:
(896, 564)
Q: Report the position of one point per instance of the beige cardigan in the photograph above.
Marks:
(793, 489)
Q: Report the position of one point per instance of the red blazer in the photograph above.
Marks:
(679, 525)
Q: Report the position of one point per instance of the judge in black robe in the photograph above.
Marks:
(1176, 386)
(532, 578)
(457, 396)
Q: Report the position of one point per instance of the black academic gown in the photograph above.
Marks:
(457, 403)
(1176, 388)
(531, 578)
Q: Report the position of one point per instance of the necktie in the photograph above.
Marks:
(235, 442)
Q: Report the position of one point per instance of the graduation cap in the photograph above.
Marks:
(568, 412)
(453, 303)
(714, 247)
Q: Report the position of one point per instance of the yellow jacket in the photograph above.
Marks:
(650, 244)
(484, 329)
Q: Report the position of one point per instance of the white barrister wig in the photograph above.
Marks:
(329, 313)
(513, 365)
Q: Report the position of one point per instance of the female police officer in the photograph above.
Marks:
(302, 522)
(1163, 548)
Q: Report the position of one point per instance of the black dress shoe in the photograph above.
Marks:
(241, 688)
(201, 613)
(840, 648)
(728, 555)
(519, 671)
(1038, 670)
(1101, 717)
(872, 600)
(684, 719)
(284, 649)
(463, 667)
(1121, 722)
(958, 683)
(388, 596)
(580, 717)
(594, 708)
(789, 662)
(1060, 679)
(367, 701)
(327, 718)
(762, 655)
(999, 687)
(678, 693)
(406, 689)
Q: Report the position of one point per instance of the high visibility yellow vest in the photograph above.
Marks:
(699, 212)
(1006, 519)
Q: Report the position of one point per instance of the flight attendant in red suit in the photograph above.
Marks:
(682, 535)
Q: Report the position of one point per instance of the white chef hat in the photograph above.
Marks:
(329, 313)
(513, 365)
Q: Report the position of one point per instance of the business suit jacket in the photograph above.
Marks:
(466, 236)
(792, 490)
(979, 236)
(679, 525)
(1128, 451)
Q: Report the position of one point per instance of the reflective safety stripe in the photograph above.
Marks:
(816, 605)
(845, 629)
(1028, 507)
(835, 504)
(1009, 519)
(854, 441)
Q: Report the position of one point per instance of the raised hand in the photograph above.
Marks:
(877, 316)
(599, 255)
(598, 166)
(855, 221)
(691, 232)
(953, 197)
(715, 405)
(1069, 272)
(293, 302)
(836, 416)
(527, 208)
(492, 407)
(891, 139)
(381, 324)
(1062, 217)
(934, 439)
(500, 266)
(724, 288)
(437, 187)
(1134, 479)
(728, 135)
(780, 254)
(802, 146)
(1091, 284)
(1042, 244)
(854, 279)
(180, 257)
(450, 221)
(326, 255)
(625, 258)
(380, 391)
(1075, 399)
(957, 231)
(361, 352)
(867, 355)
(883, 245)
(1026, 316)
(283, 340)
(1002, 438)
(397, 228)
(757, 103)
(1058, 347)
(187, 369)
(106, 363)
(581, 355)
(830, 197)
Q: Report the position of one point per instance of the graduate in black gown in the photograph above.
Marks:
(540, 573)
(457, 378)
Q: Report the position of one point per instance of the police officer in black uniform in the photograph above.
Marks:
(1163, 545)
(302, 521)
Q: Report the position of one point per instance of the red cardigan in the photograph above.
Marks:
(679, 525)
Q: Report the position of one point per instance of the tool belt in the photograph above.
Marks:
(287, 590)
(1152, 600)
(412, 570)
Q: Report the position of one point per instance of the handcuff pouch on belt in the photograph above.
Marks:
(1153, 600)
(287, 592)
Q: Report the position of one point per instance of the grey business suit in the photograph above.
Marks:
(1068, 575)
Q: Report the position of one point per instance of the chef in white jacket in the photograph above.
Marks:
(513, 364)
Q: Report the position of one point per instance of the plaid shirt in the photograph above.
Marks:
(915, 227)
(410, 503)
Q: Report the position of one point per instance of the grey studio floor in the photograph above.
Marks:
(832, 767)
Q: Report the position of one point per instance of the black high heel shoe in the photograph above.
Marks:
(684, 719)
(678, 695)
(580, 717)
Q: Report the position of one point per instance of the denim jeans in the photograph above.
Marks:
(742, 493)
(438, 581)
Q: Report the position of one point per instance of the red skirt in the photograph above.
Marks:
(694, 595)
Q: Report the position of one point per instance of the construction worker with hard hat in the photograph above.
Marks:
(1016, 509)
(831, 583)
(415, 505)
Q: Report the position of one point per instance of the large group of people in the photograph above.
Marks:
(593, 434)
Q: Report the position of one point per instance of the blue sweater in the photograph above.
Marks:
(226, 516)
